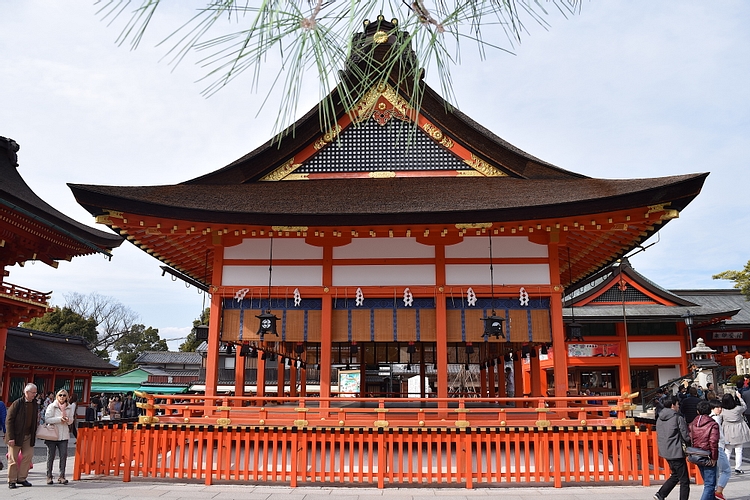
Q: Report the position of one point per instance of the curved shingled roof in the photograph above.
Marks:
(18, 197)
(476, 177)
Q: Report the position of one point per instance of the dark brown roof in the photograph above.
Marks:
(411, 200)
(36, 348)
(453, 123)
(18, 196)
(500, 184)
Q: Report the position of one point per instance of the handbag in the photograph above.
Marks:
(48, 432)
(699, 456)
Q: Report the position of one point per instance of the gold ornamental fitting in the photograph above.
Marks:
(380, 37)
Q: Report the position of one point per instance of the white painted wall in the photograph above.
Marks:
(381, 248)
(668, 349)
(502, 246)
(282, 275)
(383, 275)
(283, 248)
(505, 274)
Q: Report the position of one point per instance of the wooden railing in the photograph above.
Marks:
(383, 412)
(294, 456)
(24, 294)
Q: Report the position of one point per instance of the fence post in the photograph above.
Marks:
(382, 452)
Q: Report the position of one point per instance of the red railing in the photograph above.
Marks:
(483, 456)
(383, 412)
(25, 294)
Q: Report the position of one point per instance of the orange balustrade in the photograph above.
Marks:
(327, 449)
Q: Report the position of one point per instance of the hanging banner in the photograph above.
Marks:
(593, 350)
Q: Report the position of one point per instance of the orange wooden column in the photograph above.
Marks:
(214, 325)
(260, 378)
(280, 378)
(441, 325)
(239, 372)
(559, 348)
(624, 367)
(326, 325)
(293, 378)
(536, 375)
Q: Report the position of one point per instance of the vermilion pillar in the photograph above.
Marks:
(214, 326)
(559, 348)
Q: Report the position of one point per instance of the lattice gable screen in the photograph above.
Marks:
(632, 294)
(388, 320)
(371, 147)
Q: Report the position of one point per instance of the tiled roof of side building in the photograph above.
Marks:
(32, 347)
(169, 358)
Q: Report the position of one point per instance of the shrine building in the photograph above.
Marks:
(399, 254)
(32, 230)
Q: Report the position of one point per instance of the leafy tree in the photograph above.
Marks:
(191, 343)
(113, 319)
(135, 342)
(317, 34)
(64, 320)
(741, 279)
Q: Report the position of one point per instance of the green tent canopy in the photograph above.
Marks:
(130, 381)
(157, 389)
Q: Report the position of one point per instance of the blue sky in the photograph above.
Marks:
(625, 89)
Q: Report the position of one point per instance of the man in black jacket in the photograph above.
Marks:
(689, 405)
(671, 433)
(21, 424)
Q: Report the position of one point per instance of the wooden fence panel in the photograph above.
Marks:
(371, 456)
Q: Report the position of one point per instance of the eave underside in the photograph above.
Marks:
(188, 246)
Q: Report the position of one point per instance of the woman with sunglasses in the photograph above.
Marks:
(60, 414)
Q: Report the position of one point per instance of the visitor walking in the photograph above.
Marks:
(20, 437)
(671, 433)
(704, 434)
(724, 470)
(736, 431)
(60, 414)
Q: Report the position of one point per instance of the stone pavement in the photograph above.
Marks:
(99, 487)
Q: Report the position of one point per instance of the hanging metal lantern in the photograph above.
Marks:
(575, 331)
(267, 324)
(201, 332)
(493, 325)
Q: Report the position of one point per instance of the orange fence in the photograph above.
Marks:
(481, 456)
(383, 412)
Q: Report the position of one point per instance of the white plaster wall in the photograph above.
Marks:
(667, 374)
(505, 274)
(374, 248)
(383, 275)
(502, 246)
(281, 275)
(668, 349)
(283, 248)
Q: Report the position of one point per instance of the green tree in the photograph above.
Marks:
(113, 319)
(191, 343)
(135, 342)
(231, 37)
(741, 279)
(67, 322)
